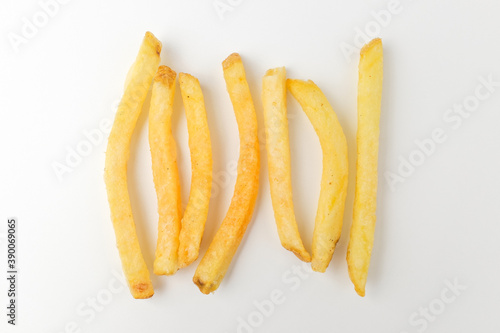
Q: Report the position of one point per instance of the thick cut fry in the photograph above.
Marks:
(115, 173)
(365, 200)
(330, 213)
(195, 215)
(217, 259)
(278, 157)
(165, 172)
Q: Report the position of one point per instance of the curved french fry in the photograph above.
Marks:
(365, 200)
(165, 172)
(115, 172)
(278, 158)
(330, 213)
(217, 259)
(195, 215)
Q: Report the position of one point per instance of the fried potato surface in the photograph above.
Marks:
(278, 159)
(195, 215)
(115, 172)
(217, 259)
(165, 172)
(330, 213)
(365, 200)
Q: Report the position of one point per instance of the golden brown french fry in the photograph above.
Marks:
(330, 213)
(278, 158)
(165, 172)
(365, 201)
(115, 172)
(217, 259)
(195, 215)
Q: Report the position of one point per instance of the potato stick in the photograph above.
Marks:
(217, 259)
(365, 199)
(330, 213)
(195, 215)
(115, 173)
(165, 173)
(278, 157)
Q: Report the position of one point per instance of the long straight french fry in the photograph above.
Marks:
(278, 158)
(165, 172)
(330, 213)
(217, 259)
(365, 200)
(115, 172)
(195, 215)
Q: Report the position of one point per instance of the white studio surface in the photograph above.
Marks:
(434, 266)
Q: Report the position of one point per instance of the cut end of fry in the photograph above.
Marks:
(164, 267)
(301, 254)
(358, 275)
(276, 71)
(151, 40)
(165, 75)
(185, 76)
(319, 265)
(204, 287)
(142, 290)
(373, 44)
(187, 257)
(231, 60)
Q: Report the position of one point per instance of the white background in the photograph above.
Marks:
(441, 224)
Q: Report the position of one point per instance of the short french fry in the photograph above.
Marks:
(365, 200)
(330, 213)
(165, 172)
(217, 259)
(195, 215)
(115, 172)
(278, 158)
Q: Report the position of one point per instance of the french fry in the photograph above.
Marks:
(217, 259)
(278, 157)
(365, 199)
(115, 172)
(195, 215)
(329, 216)
(165, 172)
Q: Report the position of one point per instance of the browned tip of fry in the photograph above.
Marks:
(232, 59)
(142, 290)
(165, 75)
(153, 41)
(204, 288)
(374, 43)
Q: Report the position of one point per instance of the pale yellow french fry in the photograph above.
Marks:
(165, 172)
(195, 215)
(330, 213)
(278, 159)
(217, 259)
(115, 172)
(365, 201)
